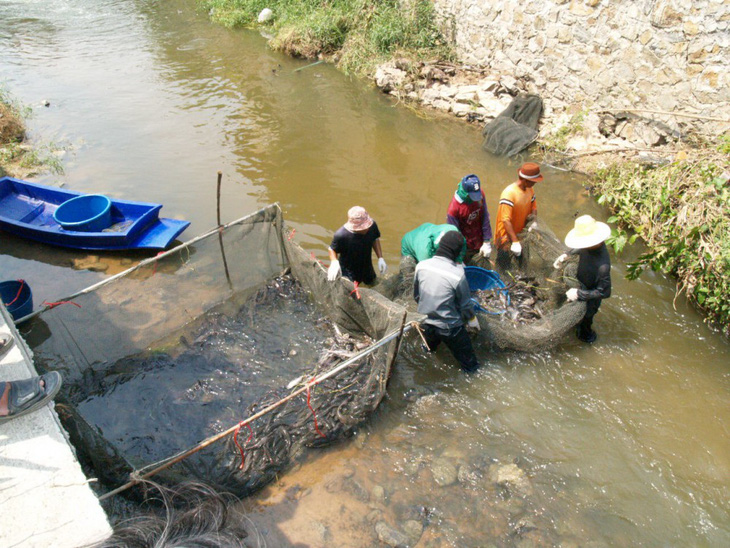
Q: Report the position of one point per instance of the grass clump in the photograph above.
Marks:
(681, 211)
(16, 157)
(357, 35)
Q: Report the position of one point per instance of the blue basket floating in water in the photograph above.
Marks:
(85, 213)
(17, 298)
(480, 279)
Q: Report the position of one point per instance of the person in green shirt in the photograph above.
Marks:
(421, 243)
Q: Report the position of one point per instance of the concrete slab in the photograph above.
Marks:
(45, 498)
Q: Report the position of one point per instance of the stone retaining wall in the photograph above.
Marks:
(662, 55)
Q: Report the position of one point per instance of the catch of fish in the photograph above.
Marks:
(520, 301)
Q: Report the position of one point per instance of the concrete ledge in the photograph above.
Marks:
(44, 495)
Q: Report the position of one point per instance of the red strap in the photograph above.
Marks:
(356, 291)
(154, 270)
(54, 305)
(316, 426)
(291, 234)
(22, 283)
(235, 440)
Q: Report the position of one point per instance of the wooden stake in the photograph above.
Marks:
(218, 197)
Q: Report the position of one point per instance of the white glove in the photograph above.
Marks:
(382, 267)
(516, 248)
(334, 270)
(560, 260)
(473, 324)
(486, 249)
(533, 226)
(572, 294)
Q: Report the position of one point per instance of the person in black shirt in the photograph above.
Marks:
(594, 270)
(351, 248)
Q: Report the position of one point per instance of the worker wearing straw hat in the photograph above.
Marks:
(516, 204)
(587, 239)
(352, 246)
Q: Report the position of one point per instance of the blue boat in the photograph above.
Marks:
(35, 211)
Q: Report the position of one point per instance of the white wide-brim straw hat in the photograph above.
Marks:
(358, 219)
(587, 233)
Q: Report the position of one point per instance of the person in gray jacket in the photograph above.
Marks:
(442, 293)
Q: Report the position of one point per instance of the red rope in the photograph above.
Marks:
(316, 259)
(356, 291)
(235, 440)
(291, 234)
(154, 270)
(316, 426)
(22, 283)
(54, 305)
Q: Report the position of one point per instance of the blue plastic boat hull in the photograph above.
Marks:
(26, 210)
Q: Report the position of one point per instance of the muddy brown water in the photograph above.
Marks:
(623, 442)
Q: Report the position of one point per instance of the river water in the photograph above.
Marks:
(623, 442)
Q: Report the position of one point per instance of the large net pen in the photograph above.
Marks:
(221, 360)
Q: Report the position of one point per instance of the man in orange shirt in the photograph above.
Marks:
(515, 204)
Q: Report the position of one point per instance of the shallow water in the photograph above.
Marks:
(623, 442)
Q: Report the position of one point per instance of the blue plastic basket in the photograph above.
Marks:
(482, 279)
(17, 298)
(86, 213)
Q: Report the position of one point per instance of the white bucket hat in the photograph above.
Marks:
(587, 233)
(358, 219)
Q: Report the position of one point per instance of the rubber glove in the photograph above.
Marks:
(473, 324)
(533, 226)
(560, 260)
(382, 267)
(572, 294)
(486, 249)
(334, 270)
(516, 248)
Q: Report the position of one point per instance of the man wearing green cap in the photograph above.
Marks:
(468, 212)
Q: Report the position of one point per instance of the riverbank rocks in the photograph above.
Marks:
(511, 478)
(444, 472)
(654, 79)
(390, 536)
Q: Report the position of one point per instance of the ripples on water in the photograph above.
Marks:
(621, 443)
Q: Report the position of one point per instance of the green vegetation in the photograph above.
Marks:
(557, 141)
(681, 211)
(356, 34)
(16, 157)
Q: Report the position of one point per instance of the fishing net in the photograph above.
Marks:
(536, 316)
(515, 128)
(221, 360)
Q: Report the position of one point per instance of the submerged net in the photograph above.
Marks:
(188, 346)
(538, 315)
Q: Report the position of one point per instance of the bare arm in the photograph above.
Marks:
(332, 254)
(510, 230)
(377, 248)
